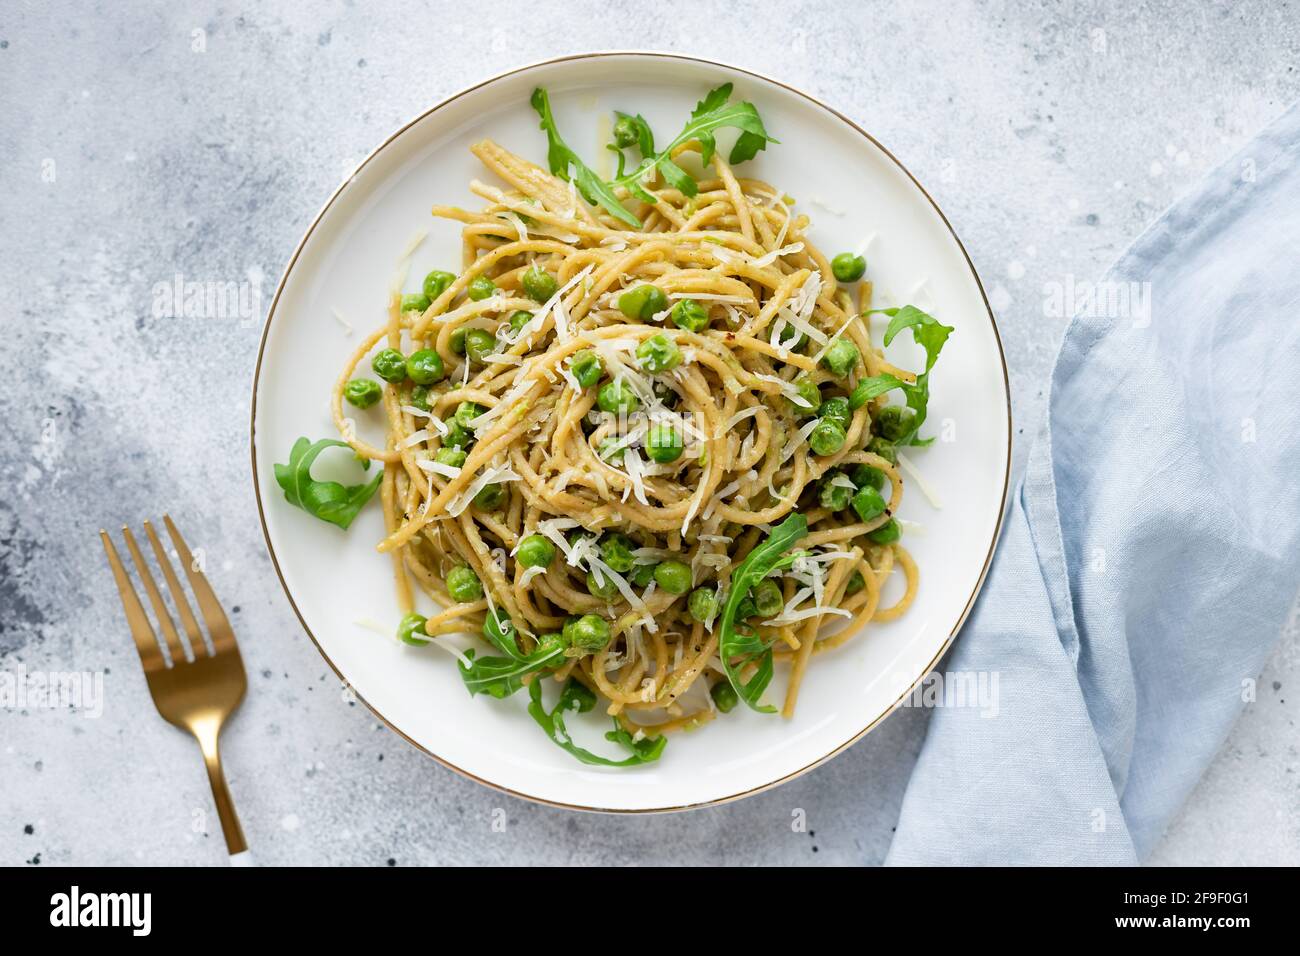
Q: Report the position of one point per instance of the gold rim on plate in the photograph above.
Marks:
(1006, 478)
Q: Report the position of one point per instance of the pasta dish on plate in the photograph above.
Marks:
(641, 448)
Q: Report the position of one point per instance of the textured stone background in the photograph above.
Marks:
(1050, 133)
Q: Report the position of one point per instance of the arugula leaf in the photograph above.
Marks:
(578, 698)
(562, 159)
(500, 631)
(747, 146)
(500, 677)
(930, 334)
(740, 649)
(328, 500)
(712, 113)
(869, 388)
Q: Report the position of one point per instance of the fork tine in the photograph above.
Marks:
(173, 639)
(223, 636)
(197, 646)
(146, 644)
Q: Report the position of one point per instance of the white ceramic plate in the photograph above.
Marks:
(853, 189)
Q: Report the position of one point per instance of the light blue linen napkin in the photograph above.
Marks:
(1151, 552)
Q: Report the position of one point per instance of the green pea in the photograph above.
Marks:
(724, 695)
(703, 604)
(586, 368)
(827, 437)
(625, 132)
(458, 436)
(416, 302)
(834, 496)
(362, 392)
(855, 583)
(490, 497)
(658, 354)
(836, 410)
(841, 357)
(601, 586)
(519, 319)
(590, 633)
(481, 287)
(616, 397)
(458, 340)
(616, 551)
(846, 267)
(566, 633)
(479, 344)
(810, 393)
(412, 625)
(887, 533)
(689, 315)
(390, 365)
(535, 552)
(425, 367)
(642, 575)
(466, 412)
(884, 448)
(864, 475)
(420, 397)
(746, 608)
(644, 302)
(436, 283)
(539, 285)
(664, 443)
(450, 456)
(768, 600)
(868, 503)
(611, 450)
(673, 576)
(463, 584)
(893, 422)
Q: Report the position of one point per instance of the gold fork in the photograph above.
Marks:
(195, 692)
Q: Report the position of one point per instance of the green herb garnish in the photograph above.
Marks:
(500, 677)
(739, 649)
(712, 113)
(328, 500)
(930, 334)
(578, 698)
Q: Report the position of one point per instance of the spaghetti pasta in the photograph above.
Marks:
(618, 418)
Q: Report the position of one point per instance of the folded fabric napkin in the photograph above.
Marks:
(1150, 554)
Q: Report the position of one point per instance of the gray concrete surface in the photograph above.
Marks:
(139, 141)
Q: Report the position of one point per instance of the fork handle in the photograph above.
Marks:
(208, 738)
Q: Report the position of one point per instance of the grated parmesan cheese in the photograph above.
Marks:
(921, 483)
(439, 468)
(494, 474)
(768, 258)
(338, 316)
